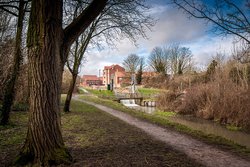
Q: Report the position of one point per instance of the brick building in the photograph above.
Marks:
(89, 80)
(113, 75)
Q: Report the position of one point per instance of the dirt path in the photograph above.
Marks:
(203, 153)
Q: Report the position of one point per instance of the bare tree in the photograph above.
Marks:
(159, 60)
(6, 48)
(5, 25)
(241, 52)
(75, 59)
(180, 59)
(229, 17)
(6, 56)
(130, 22)
(48, 44)
(131, 63)
(171, 58)
(9, 91)
(184, 60)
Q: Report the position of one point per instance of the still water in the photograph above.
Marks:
(208, 127)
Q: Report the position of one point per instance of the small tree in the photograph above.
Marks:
(180, 59)
(184, 60)
(131, 21)
(140, 70)
(131, 63)
(158, 60)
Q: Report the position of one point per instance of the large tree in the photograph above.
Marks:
(48, 44)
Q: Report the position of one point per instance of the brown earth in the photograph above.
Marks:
(201, 152)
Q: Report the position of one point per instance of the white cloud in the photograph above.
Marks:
(206, 47)
(173, 26)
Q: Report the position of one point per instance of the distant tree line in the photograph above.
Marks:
(169, 60)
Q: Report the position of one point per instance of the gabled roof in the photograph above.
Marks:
(90, 77)
(113, 66)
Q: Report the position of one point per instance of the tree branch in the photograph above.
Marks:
(72, 31)
(8, 11)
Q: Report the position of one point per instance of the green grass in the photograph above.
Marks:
(12, 137)
(161, 118)
(107, 94)
(149, 91)
(233, 128)
(95, 138)
(165, 114)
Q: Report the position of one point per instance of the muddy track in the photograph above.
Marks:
(201, 152)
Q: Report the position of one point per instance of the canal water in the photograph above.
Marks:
(208, 127)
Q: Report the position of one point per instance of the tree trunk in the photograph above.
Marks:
(44, 144)
(47, 44)
(69, 94)
(9, 90)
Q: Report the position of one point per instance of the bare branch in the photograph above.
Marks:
(227, 17)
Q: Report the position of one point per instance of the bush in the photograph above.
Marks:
(224, 98)
(169, 101)
(226, 103)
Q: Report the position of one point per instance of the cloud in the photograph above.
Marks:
(208, 46)
(173, 26)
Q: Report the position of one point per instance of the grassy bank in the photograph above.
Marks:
(95, 138)
(161, 119)
(149, 91)
(106, 94)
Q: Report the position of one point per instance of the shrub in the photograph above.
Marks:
(169, 101)
(227, 103)
(224, 98)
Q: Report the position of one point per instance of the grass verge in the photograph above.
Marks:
(96, 138)
(149, 91)
(160, 118)
(106, 94)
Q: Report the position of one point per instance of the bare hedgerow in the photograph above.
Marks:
(222, 99)
(225, 98)
(169, 101)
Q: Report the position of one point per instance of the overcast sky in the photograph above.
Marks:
(173, 26)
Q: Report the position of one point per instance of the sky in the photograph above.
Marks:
(172, 26)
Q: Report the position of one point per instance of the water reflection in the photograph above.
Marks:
(149, 110)
(210, 127)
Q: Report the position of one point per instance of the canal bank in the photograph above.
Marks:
(203, 153)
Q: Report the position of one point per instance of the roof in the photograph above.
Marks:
(90, 77)
(113, 66)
